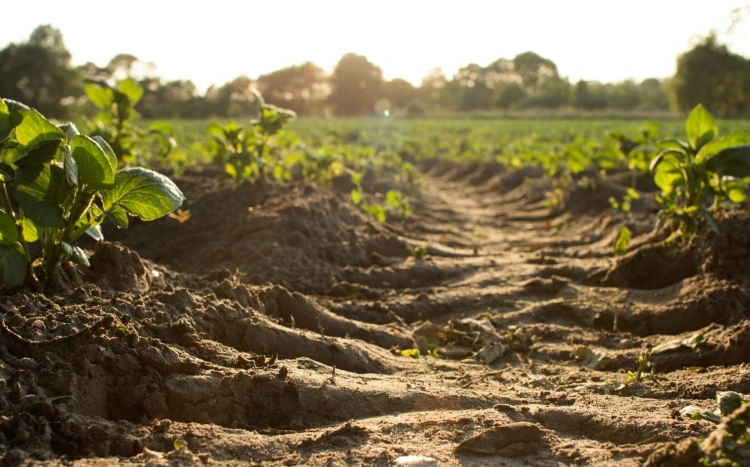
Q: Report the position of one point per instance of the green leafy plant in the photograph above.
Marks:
(644, 368)
(622, 241)
(398, 204)
(65, 185)
(115, 123)
(627, 199)
(419, 252)
(699, 175)
(249, 154)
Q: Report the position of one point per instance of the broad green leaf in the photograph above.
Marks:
(131, 89)
(701, 127)
(167, 142)
(377, 211)
(100, 94)
(34, 129)
(732, 162)
(672, 143)
(668, 174)
(735, 190)
(622, 241)
(13, 265)
(118, 216)
(41, 192)
(356, 197)
(231, 171)
(4, 121)
(11, 115)
(75, 254)
(163, 127)
(71, 169)
(94, 166)
(40, 154)
(143, 193)
(217, 131)
(633, 194)
(8, 229)
(7, 171)
(70, 130)
(124, 106)
(95, 232)
(30, 231)
(393, 198)
(15, 107)
(108, 151)
(727, 141)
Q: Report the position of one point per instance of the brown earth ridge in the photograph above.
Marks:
(267, 329)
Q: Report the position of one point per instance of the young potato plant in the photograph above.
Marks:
(115, 123)
(250, 154)
(637, 151)
(699, 175)
(65, 184)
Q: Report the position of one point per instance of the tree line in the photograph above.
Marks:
(39, 73)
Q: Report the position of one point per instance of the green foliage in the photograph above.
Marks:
(711, 74)
(622, 241)
(419, 252)
(39, 73)
(644, 369)
(65, 184)
(115, 123)
(398, 204)
(699, 175)
(252, 153)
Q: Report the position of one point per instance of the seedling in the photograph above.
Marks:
(644, 368)
(398, 204)
(115, 122)
(250, 154)
(622, 241)
(65, 185)
(699, 175)
(419, 252)
(627, 199)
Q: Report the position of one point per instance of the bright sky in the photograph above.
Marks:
(216, 41)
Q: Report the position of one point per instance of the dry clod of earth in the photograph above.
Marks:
(301, 332)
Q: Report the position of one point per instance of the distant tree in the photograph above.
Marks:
(711, 75)
(233, 99)
(624, 95)
(398, 92)
(533, 69)
(433, 93)
(171, 99)
(500, 73)
(38, 72)
(588, 95)
(654, 95)
(551, 93)
(302, 88)
(355, 85)
(511, 95)
(475, 94)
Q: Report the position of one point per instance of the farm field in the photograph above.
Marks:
(395, 292)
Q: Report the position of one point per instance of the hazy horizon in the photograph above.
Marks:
(586, 39)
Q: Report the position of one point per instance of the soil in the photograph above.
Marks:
(266, 326)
